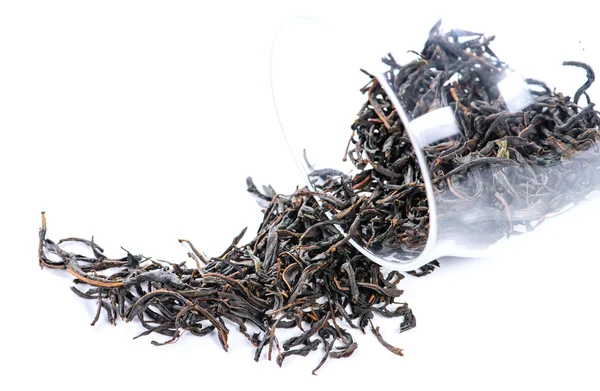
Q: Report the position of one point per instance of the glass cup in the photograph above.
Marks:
(466, 151)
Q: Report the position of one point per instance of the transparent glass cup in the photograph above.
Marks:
(477, 155)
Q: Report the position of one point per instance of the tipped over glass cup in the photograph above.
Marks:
(450, 150)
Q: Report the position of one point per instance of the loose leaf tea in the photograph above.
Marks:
(301, 272)
(297, 273)
(503, 169)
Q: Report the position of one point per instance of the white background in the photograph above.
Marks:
(138, 122)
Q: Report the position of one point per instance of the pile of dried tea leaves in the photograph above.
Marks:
(300, 272)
